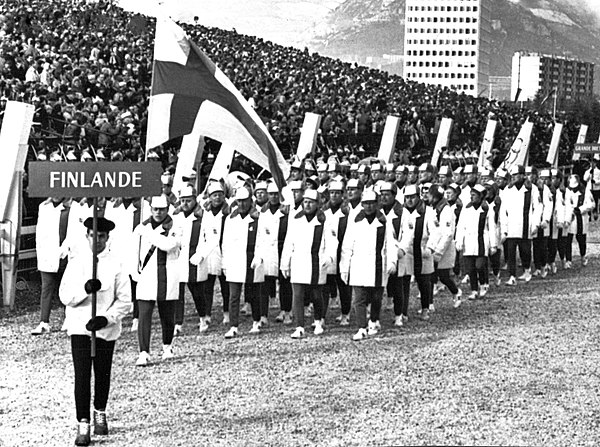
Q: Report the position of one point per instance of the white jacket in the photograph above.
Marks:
(365, 251)
(212, 234)
(125, 220)
(157, 254)
(49, 250)
(190, 228)
(521, 212)
(582, 201)
(475, 232)
(113, 300)
(275, 225)
(559, 219)
(441, 239)
(243, 244)
(308, 250)
(417, 226)
(336, 224)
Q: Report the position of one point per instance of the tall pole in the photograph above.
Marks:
(554, 108)
(94, 270)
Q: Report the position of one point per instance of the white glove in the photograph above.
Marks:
(391, 269)
(493, 251)
(345, 276)
(326, 262)
(256, 262)
(285, 273)
(427, 253)
(196, 259)
(63, 251)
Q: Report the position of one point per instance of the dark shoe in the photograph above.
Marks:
(83, 433)
(100, 425)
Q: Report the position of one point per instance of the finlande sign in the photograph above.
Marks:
(94, 179)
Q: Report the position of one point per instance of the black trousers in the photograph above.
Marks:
(335, 284)
(82, 364)
(444, 276)
(301, 294)
(581, 241)
(209, 291)
(494, 260)
(197, 291)
(476, 267)
(540, 252)
(364, 296)
(136, 310)
(524, 246)
(166, 312)
(557, 246)
(425, 289)
(395, 289)
(269, 290)
(252, 295)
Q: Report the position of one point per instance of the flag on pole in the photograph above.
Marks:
(519, 151)
(485, 153)
(547, 97)
(442, 140)
(552, 157)
(189, 93)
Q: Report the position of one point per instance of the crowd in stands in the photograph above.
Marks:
(86, 66)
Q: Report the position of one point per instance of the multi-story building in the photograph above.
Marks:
(534, 72)
(448, 43)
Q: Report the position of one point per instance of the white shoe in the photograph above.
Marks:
(298, 333)
(512, 281)
(568, 265)
(319, 327)
(456, 299)
(498, 280)
(437, 289)
(288, 318)
(483, 290)
(134, 325)
(398, 321)
(473, 295)
(255, 327)
(225, 317)
(373, 329)
(544, 271)
(203, 326)
(177, 330)
(280, 317)
(345, 320)
(465, 280)
(553, 268)
(167, 352)
(425, 315)
(142, 359)
(526, 276)
(264, 322)
(246, 309)
(232, 332)
(419, 311)
(584, 260)
(431, 307)
(360, 335)
(339, 318)
(536, 273)
(42, 328)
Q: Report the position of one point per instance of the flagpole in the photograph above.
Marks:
(94, 270)
(554, 109)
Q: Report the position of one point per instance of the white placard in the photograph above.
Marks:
(443, 138)
(308, 135)
(553, 150)
(520, 149)
(388, 140)
(583, 130)
(486, 147)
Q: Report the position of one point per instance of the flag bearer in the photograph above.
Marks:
(579, 202)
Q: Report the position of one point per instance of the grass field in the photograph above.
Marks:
(517, 368)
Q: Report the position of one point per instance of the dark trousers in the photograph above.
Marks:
(395, 289)
(444, 276)
(557, 246)
(511, 254)
(540, 252)
(50, 284)
(136, 310)
(335, 284)
(425, 289)
(364, 296)
(476, 267)
(457, 263)
(82, 364)
(166, 312)
(302, 292)
(209, 291)
(581, 241)
(252, 294)
(494, 261)
(285, 293)
(197, 291)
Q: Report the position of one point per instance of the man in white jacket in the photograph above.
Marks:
(366, 264)
(307, 252)
(113, 302)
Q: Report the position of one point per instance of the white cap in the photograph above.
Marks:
(322, 167)
(470, 169)
(215, 187)
(272, 187)
(336, 186)
(545, 173)
(242, 194)
(260, 185)
(159, 202)
(352, 183)
(411, 190)
(479, 188)
(295, 185)
(369, 196)
(71, 156)
(375, 167)
(311, 194)
(188, 191)
(445, 170)
(166, 179)
(354, 167)
(573, 182)
(426, 186)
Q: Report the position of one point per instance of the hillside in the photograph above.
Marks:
(362, 28)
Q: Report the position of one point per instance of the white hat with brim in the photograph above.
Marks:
(188, 191)
(242, 194)
(296, 185)
(272, 188)
(311, 194)
(411, 190)
(214, 187)
(159, 202)
(369, 196)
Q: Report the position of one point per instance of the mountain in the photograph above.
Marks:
(358, 29)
